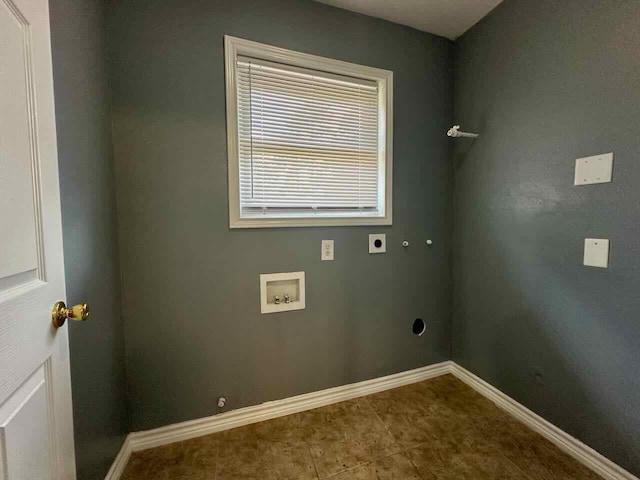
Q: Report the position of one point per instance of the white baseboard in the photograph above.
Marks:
(279, 408)
(244, 416)
(578, 450)
(120, 462)
(178, 432)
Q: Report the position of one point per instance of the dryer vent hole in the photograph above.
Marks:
(419, 327)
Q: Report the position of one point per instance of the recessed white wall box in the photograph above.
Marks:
(377, 243)
(281, 292)
(596, 252)
(596, 169)
(327, 250)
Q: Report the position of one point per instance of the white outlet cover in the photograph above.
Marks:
(596, 252)
(372, 243)
(327, 250)
(596, 169)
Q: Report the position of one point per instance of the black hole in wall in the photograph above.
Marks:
(419, 327)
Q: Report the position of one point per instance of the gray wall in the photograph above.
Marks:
(545, 82)
(190, 285)
(89, 222)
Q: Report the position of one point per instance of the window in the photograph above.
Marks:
(309, 139)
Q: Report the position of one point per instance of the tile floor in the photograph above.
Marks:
(439, 429)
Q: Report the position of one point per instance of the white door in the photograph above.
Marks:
(36, 430)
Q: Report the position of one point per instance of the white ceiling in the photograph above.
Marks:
(447, 18)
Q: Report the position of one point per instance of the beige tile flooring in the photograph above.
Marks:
(439, 429)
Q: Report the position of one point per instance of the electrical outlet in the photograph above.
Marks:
(327, 250)
(377, 243)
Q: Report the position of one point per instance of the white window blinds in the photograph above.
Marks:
(308, 142)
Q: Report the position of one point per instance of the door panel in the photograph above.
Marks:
(24, 431)
(17, 206)
(36, 430)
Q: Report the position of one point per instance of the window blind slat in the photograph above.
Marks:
(310, 76)
(287, 111)
(300, 89)
(307, 141)
(317, 110)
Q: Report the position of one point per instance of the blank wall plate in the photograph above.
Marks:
(596, 169)
(596, 252)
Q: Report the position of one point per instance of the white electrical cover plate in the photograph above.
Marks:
(596, 252)
(327, 250)
(372, 243)
(596, 169)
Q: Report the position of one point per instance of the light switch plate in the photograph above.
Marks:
(596, 169)
(382, 237)
(327, 250)
(596, 252)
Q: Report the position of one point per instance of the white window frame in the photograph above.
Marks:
(235, 47)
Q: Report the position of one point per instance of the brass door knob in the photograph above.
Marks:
(60, 313)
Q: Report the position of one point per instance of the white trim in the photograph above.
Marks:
(244, 416)
(279, 408)
(565, 442)
(121, 460)
(234, 47)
